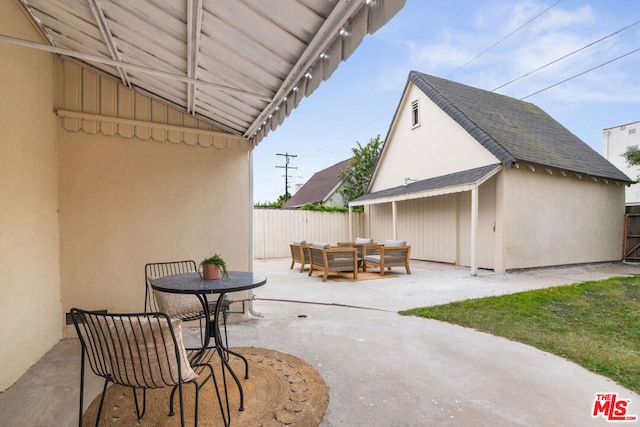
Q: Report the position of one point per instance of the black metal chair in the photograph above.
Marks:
(177, 306)
(141, 351)
(185, 307)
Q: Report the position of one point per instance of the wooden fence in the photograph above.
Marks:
(632, 238)
(274, 229)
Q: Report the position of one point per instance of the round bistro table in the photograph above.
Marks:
(193, 283)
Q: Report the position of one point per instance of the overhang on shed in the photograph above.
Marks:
(469, 180)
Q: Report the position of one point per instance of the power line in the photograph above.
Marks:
(582, 73)
(568, 55)
(504, 38)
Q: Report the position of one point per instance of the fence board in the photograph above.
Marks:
(274, 229)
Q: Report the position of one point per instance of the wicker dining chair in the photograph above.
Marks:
(299, 254)
(141, 351)
(327, 259)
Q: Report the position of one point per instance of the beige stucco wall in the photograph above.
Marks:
(125, 202)
(30, 307)
(438, 146)
(97, 181)
(555, 219)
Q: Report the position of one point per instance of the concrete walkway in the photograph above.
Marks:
(389, 370)
(382, 369)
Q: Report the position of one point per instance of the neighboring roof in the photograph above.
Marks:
(515, 131)
(446, 184)
(241, 65)
(320, 187)
(620, 126)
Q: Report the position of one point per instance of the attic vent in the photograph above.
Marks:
(415, 114)
(632, 131)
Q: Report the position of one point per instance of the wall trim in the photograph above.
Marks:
(128, 128)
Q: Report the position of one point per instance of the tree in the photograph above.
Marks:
(357, 176)
(278, 204)
(632, 156)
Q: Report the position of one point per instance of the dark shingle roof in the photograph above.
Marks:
(458, 178)
(514, 130)
(319, 187)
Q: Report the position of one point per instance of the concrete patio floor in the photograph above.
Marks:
(382, 369)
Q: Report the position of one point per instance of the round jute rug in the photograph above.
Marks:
(282, 390)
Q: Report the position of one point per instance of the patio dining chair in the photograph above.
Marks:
(141, 351)
(326, 259)
(361, 244)
(299, 254)
(177, 306)
(394, 253)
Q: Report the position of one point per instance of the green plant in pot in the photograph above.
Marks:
(212, 268)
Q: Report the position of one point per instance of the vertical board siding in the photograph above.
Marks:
(428, 225)
(274, 229)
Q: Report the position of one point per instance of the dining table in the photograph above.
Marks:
(194, 283)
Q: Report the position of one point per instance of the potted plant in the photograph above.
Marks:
(213, 266)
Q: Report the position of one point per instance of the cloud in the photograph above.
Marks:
(480, 53)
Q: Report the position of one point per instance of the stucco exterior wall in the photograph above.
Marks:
(617, 141)
(437, 146)
(555, 220)
(126, 202)
(30, 306)
(141, 182)
(97, 181)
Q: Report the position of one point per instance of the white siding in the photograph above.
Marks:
(429, 226)
(486, 242)
(616, 142)
(380, 222)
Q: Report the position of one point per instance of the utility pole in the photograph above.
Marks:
(286, 168)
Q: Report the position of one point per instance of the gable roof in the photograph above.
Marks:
(514, 131)
(319, 187)
(243, 66)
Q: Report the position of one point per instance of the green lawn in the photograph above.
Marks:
(595, 324)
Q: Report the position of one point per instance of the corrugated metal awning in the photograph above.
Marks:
(242, 65)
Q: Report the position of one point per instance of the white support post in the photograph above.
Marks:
(351, 238)
(474, 230)
(394, 210)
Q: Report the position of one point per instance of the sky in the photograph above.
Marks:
(577, 60)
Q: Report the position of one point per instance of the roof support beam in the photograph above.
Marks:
(194, 31)
(114, 63)
(107, 35)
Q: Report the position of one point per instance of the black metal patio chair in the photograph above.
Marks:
(177, 306)
(141, 351)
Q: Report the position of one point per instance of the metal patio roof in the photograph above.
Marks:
(242, 65)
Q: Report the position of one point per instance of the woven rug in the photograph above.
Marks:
(369, 275)
(282, 390)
